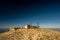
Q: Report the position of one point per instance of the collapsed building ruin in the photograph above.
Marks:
(24, 27)
(30, 26)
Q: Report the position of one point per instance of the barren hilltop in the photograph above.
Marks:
(30, 34)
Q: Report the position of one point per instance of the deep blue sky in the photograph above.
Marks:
(19, 13)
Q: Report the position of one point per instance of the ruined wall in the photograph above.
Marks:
(12, 29)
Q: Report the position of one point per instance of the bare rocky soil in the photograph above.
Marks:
(30, 34)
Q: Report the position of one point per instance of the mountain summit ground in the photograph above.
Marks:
(30, 34)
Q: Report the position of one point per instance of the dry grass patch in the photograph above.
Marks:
(31, 34)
